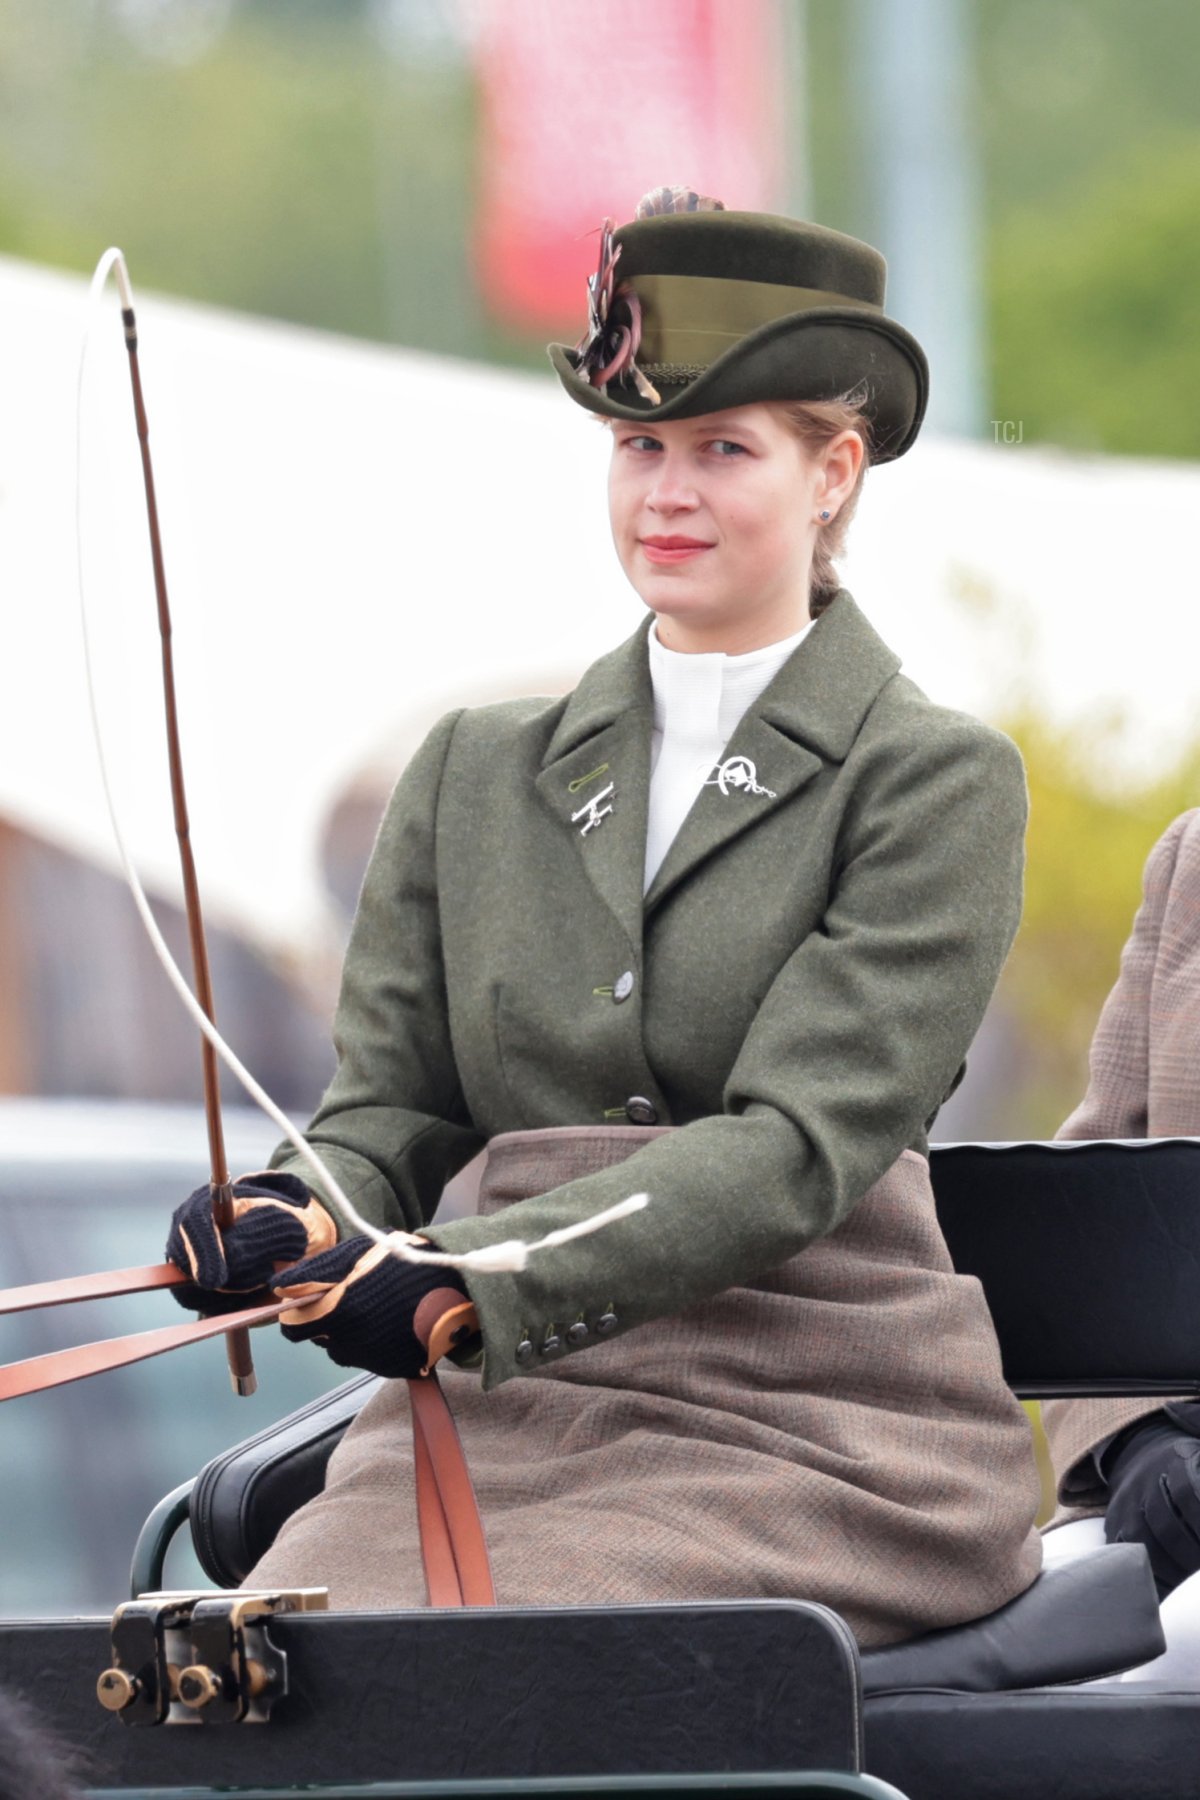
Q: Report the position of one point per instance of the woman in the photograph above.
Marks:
(719, 926)
(1137, 1462)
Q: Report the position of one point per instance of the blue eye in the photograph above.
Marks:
(729, 445)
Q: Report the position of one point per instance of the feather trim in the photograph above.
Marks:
(608, 348)
(675, 200)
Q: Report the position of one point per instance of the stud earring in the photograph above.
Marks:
(824, 515)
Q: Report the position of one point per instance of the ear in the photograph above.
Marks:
(843, 460)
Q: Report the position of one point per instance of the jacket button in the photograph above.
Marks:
(578, 1333)
(623, 986)
(641, 1111)
(524, 1351)
(606, 1323)
(553, 1346)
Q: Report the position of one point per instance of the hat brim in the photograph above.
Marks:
(812, 355)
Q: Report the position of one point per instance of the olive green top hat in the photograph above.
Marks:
(691, 311)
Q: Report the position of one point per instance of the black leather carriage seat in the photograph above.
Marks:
(1089, 1255)
(242, 1497)
(1080, 1621)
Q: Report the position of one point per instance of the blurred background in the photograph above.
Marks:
(353, 226)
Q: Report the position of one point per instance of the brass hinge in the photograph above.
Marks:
(200, 1658)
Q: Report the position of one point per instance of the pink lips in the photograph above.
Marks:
(672, 549)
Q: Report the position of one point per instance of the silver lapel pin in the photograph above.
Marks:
(738, 772)
(592, 811)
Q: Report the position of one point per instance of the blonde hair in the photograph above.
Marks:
(816, 423)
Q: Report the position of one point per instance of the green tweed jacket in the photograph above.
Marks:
(797, 990)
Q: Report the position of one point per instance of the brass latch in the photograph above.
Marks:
(200, 1658)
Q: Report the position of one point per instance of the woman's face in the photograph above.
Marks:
(714, 520)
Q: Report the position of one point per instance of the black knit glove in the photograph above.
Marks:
(1153, 1473)
(277, 1223)
(360, 1303)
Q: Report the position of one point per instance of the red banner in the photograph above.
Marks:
(586, 105)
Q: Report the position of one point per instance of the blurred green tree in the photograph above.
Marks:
(1096, 310)
(295, 163)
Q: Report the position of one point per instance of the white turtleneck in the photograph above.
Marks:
(698, 703)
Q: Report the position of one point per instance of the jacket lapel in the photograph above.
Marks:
(809, 715)
(595, 777)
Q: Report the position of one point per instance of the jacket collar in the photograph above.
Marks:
(829, 684)
(809, 714)
(617, 684)
(819, 697)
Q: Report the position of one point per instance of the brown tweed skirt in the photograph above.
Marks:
(837, 1431)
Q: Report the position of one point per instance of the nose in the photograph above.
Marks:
(672, 489)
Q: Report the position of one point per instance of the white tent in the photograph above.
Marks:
(358, 538)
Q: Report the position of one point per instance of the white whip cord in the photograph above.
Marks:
(513, 1254)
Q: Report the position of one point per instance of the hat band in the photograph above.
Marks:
(690, 320)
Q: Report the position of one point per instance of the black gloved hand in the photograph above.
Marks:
(361, 1304)
(277, 1223)
(1153, 1472)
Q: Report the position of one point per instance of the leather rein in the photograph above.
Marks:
(453, 1545)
